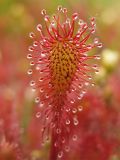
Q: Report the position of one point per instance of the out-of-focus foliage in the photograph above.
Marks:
(100, 122)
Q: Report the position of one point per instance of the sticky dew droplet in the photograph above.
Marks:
(80, 22)
(47, 96)
(37, 67)
(79, 97)
(96, 71)
(52, 124)
(67, 148)
(32, 83)
(75, 16)
(97, 57)
(67, 122)
(31, 35)
(74, 138)
(80, 85)
(85, 26)
(67, 109)
(68, 20)
(30, 48)
(93, 30)
(75, 121)
(80, 108)
(86, 83)
(93, 84)
(43, 55)
(58, 130)
(95, 66)
(64, 10)
(89, 47)
(83, 92)
(74, 110)
(89, 77)
(29, 71)
(47, 117)
(72, 101)
(96, 41)
(43, 12)
(53, 23)
(35, 43)
(63, 140)
(41, 79)
(38, 115)
(39, 27)
(59, 8)
(41, 104)
(41, 90)
(60, 154)
(32, 63)
(99, 45)
(55, 144)
(37, 100)
(92, 19)
(46, 18)
(29, 56)
(33, 89)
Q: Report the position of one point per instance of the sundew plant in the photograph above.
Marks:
(61, 70)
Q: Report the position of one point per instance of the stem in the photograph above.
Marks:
(54, 149)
